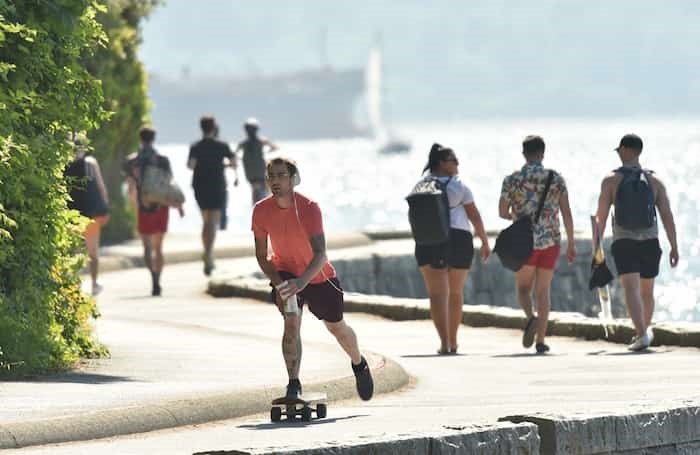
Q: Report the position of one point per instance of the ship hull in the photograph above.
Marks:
(305, 105)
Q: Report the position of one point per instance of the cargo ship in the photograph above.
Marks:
(309, 104)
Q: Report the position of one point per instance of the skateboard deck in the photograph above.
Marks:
(303, 406)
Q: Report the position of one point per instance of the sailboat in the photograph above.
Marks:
(387, 141)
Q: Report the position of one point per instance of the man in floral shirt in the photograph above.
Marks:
(520, 196)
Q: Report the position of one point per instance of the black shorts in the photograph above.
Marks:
(210, 197)
(325, 301)
(637, 256)
(457, 253)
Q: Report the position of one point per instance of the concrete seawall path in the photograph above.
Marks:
(191, 373)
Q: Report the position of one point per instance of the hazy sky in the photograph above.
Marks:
(454, 58)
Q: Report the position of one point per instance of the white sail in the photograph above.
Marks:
(373, 81)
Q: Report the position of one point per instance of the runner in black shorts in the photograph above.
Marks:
(206, 159)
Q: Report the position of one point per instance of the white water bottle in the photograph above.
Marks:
(291, 306)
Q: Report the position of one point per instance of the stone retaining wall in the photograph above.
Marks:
(665, 431)
(660, 432)
(500, 439)
(570, 324)
(390, 269)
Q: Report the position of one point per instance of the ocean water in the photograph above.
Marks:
(359, 189)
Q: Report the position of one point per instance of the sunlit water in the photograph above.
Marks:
(358, 189)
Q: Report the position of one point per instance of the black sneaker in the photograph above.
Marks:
(529, 332)
(293, 390)
(156, 291)
(363, 380)
(541, 348)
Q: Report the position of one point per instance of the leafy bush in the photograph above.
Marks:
(46, 94)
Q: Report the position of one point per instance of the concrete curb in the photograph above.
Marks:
(674, 430)
(401, 309)
(501, 438)
(388, 376)
(123, 257)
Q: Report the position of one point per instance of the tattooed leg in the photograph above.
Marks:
(291, 345)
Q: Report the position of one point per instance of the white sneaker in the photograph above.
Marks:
(641, 343)
(650, 334)
(96, 289)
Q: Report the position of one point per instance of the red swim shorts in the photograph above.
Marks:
(544, 259)
(153, 222)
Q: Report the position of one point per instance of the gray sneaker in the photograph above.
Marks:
(640, 343)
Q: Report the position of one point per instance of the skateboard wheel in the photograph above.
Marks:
(275, 414)
(321, 410)
(306, 414)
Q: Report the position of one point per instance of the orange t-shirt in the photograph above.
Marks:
(289, 231)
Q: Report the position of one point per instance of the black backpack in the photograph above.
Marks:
(634, 201)
(429, 212)
(515, 243)
(77, 182)
(85, 196)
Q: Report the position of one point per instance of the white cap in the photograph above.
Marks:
(252, 121)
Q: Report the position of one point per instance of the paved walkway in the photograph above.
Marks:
(198, 356)
(181, 354)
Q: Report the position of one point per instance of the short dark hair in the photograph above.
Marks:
(291, 164)
(532, 145)
(147, 134)
(631, 141)
(207, 123)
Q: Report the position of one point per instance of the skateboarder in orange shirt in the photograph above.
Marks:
(299, 270)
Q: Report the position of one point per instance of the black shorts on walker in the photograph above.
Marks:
(456, 253)
(637, 256)
(325, 300)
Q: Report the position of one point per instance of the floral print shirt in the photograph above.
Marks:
(522, 191)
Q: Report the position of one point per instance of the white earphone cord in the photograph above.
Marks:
(294, 199)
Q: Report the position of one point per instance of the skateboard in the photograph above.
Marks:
(302, 406)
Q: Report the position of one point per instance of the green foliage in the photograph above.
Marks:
(46, 94)
(124, 87)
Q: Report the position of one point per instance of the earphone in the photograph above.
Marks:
(296, 180)
(294, 177)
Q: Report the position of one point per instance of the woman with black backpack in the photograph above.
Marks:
(442, 212)
(88, 195)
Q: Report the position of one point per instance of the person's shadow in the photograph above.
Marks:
(626, 353)
(74, 378)
(296, 423)
(427, 356)
(526, 354)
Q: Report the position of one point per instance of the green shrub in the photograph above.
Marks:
(46, 94)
